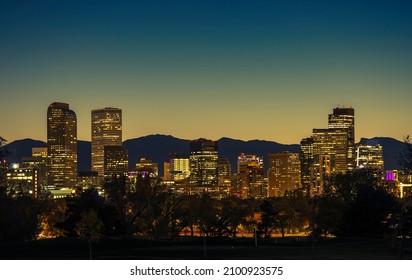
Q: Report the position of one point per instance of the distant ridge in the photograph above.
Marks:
(22, 148)
(154, 147)
(159, 147)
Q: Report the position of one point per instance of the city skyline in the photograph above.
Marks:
(264, 70)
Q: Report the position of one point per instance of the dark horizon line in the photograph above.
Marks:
(224, 137)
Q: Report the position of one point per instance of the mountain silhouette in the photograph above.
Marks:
(22, 148)
(159, 147)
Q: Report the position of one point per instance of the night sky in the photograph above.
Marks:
(269, 70)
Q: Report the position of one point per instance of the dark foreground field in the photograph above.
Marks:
(288, 248)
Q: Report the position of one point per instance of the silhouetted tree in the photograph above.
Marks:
(76, 206)
(369, 213)
(208, 215)
(53, 213)
(234, 212)
(297, 211)
(190, 211)
(268, 216)
(117, 200)
(19, 212)
(355, 205)
(18, 218)
(152, 211)
(328, 216)
(89, 228)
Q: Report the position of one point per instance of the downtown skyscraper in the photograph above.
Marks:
(61, 146)
(344, 118)
(203, 164)
(251, 177)
(329, 151)
(106, 131)
(284, 174)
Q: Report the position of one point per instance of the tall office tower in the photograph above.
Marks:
(179, 166)
(306, 161)
(370, 157)
(283, 173)
(321, 171)
(344, 118)
(251, 176)
(224, 171)
(115, 161)
(61, 145)
(106, 131)
(203, 164)
(330, 152)
(332, 142)
(166, 171)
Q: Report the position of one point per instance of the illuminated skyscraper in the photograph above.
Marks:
(306, 162)
(224, 171)
(179, 166)
(344, 118)
(203, 163)
(283, 173)
(370, 157)
(332, 142)
(61, 145)
(115, 161)
(106, 131)
(166, 171)
(330, 155)
(320, 172)
(251, 178)
(330, 150)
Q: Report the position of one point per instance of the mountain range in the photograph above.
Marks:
(159, 147)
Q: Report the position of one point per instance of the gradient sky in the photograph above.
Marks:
(270, 70)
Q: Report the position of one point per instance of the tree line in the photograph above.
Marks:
(353, 204)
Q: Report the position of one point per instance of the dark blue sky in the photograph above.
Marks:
(243, 69)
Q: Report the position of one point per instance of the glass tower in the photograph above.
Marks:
(61, 146)
(106, 131)
(344, 118)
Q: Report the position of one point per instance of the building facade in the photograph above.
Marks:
(344, 118)
(251, 177)
(24, 180)
(330, 156)
(224, 171)
(179, 167)
(203, 164)
(115, 161)
(88, 180)
(106, 131)
(38, 160)
(147, 167)
(371, 158)
(306, 162)
(283, 173)
(61, 146)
